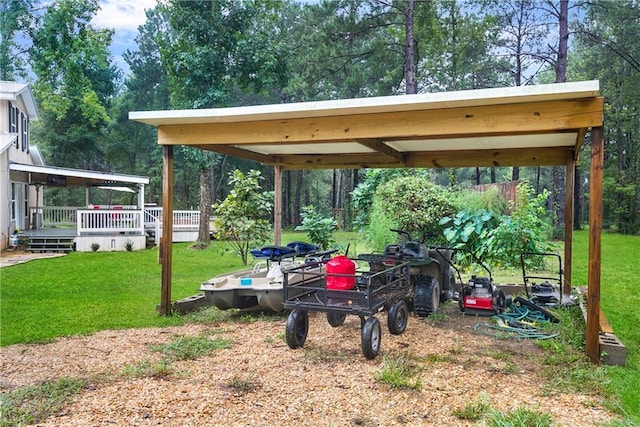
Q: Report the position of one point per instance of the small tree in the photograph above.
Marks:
(318, 228)
(242, 217)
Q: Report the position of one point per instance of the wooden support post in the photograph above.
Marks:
(277, 205)
(568, 225)
(166, 243)
(595, 230)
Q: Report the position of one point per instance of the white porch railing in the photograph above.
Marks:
(52, 216)
(125, 219)
(110, 221)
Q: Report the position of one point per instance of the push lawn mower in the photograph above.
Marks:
(480, 296)
(548, 292)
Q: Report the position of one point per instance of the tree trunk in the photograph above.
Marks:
(296, 202)
(561, 71)
(205, 207)
(287, 214)
(410, 67)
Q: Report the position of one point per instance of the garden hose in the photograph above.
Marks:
(518, 322)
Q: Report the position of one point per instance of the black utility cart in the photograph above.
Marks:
(382, 285)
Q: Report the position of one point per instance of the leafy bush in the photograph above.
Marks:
(499, 241)
(363, 195)
(528, 229)
(470, 231)
(319, 229)
(415, 204)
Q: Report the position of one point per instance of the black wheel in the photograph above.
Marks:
(499, 301)
(371, 334)
(297, 328)
(336, 319)
(449, 287)
(398, 317)
(426, 296)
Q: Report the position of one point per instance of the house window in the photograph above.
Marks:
(25, 132)
(14, 196)
(13, 120)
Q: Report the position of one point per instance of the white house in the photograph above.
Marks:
(24, 176)
(17, 111)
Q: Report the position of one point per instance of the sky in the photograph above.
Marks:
(124, 17)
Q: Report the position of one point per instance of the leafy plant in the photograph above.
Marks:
(527, 229)
(128, 246)
(242, 217)
(499, 241)
(95, 246)
(470, 231)
(319, 229)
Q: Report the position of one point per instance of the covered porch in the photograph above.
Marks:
(83, 228)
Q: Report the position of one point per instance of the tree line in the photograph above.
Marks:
(223, 53)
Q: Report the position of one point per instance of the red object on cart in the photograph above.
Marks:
(336, 268)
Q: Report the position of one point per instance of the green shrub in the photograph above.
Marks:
(499, 241)
(415, 205)
(319, 229)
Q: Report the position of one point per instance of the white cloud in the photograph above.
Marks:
(122, 15)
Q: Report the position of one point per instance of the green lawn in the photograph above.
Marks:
(620, 301)
(85, 292)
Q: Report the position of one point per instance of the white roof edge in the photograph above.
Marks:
(79, 173)
(10, 91)
(493, 96)
(7, 140)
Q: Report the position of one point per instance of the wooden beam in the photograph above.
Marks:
(595, 230)
(166, 243)
(384, 149)
(277, 205)
(491, 158)
(237, 152)
(549, 116)
(429, 159)
(568, 225)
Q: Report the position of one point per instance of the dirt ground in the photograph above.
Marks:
(260, 381)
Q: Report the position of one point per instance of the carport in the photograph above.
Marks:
(542, 125)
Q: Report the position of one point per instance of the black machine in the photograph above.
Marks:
(548, 292)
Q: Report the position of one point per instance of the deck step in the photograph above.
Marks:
(50, 244)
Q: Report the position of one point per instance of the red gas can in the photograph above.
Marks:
(341, 265)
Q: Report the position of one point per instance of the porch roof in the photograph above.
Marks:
(56, 176)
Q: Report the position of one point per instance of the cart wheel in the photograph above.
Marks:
(426, 296)
(398, 317)
(297, 328)
(336, 319)
(371, 333)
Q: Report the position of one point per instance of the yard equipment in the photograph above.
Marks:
(480, 296)
(403, 275)
(260, 288)
(549, 291)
